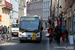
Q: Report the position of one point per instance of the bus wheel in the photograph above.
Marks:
(40, 40)
(21, 41)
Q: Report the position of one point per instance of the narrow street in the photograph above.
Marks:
(44, 45)
(16, 45)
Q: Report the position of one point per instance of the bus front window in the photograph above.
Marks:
(30, 25)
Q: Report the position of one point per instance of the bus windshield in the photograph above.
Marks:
(29, 24)
(15, 26)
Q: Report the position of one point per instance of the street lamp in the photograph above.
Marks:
(60, 17)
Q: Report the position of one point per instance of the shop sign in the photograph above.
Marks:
(0, 18)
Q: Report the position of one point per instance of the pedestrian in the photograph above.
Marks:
(54, 32)
(41, 28)
(56, 29)
(58, 35)
(4, 30)
(66, 33)
(63, 33)
(4, 33)
(1, 29)
(50, 31)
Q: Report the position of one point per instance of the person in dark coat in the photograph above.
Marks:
(58, 35)
(56, 29)
(1, 29)
(66, 33)
(54, 33)
(4, 30)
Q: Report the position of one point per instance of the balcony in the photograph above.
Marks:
(6, 5)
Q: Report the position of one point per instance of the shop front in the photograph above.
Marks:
(74, 25)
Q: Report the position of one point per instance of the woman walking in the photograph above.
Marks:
(50, 31)
(63, 33)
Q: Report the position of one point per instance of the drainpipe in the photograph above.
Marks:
(50, 18)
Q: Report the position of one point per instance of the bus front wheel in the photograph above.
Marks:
(21, 41)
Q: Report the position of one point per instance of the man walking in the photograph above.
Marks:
(66, 33)
(4, 30)
(4, 33)
(1, 29)
(58, 35)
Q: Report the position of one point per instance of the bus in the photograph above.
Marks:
(30, 28)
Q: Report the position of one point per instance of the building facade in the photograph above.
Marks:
(14, 11)
(22, 8)
(34, 7)
(65, 10)
(40, 8)
(69, 15)
(46, 12)
(5, 9)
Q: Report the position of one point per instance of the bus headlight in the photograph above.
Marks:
(20, 33)
(38, 34)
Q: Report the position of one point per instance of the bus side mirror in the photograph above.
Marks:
(41, 28)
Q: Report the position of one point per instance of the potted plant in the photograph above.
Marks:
(71, 38)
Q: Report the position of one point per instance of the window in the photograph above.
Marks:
(45, 5)
(41, 5)
(33, 0)
(47, 14)
(22, 2)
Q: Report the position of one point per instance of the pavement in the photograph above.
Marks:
(14, 44)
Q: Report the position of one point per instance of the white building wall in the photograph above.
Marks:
(46, 12)
(25, 8)
(14, 12)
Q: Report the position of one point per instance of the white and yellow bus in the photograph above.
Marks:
(30, 28)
